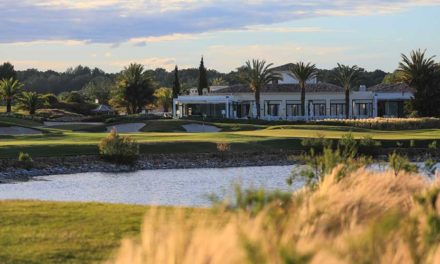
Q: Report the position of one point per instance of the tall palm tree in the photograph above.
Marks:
(346, 76)
(302, 73)
(416, 70)
(9, 88)
(420, 73)
(257, 75)
(30, 101)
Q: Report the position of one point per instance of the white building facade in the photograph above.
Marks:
(282, 101)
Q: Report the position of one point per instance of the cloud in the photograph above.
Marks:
(276, 53)
(149, 63)
(144, 21)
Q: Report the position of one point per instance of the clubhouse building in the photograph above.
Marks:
(281, 100)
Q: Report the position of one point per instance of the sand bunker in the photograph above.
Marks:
(127, 128)
(51, 124)
(16, 130)
(198, 128)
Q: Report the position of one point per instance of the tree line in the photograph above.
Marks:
(135, 87)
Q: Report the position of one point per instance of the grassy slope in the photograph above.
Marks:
(49, 232)
(10, 121)
(243, 137)
(70, 143)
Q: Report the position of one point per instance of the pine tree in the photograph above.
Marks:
(203, 78)
(176, 83)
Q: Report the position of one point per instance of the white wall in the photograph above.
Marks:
(288, 79)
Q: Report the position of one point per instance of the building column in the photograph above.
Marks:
(375, 106)
(174, 108)
(227, 109)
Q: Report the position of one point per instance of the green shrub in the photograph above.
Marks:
(252, 200)
(223, 147)
(318, 143)
(119, 149)
(74, 97)
(25, 160)
(412, 143)
(318, 166)
(51, 100)
(369, 142)
(348, 146)
(398, 164)
(433, 145)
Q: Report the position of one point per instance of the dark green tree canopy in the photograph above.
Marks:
(7, 71)
(176, 83)
(135, 87)
(423, 74)
(203, 78)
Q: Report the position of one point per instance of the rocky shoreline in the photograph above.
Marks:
(11, 171)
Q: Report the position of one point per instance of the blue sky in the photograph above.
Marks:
(109, 34)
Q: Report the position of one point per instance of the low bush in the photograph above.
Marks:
(369, 142)
(119, 149)
(401, 164)
(317, 143)
(25, 161)
(223, 148)
(433, 145)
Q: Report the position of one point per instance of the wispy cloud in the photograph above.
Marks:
(143, 21)
(150, 63)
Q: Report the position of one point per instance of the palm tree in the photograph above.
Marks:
(302, 73)
(30, 101)
(416, 70)
(420, 72)
(257, 75)
(164, 98)
(346, 76)
(8, 89)
(135, 88)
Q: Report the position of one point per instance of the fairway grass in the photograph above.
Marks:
(271, 138)
(55, 232)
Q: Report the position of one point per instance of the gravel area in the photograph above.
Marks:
(11, 171)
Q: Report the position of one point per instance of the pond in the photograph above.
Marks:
(183, 187)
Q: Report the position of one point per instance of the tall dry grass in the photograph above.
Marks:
(365, 217)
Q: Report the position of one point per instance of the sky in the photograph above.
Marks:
(110, 34)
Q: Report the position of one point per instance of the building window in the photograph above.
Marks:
(272, 108)
(363, 108)
(337, 108)
(317, 108)
(293, 108)
(243, 109)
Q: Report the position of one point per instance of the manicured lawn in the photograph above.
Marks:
(11, 121)
(49, 232)
(243, 137)
(272, 138)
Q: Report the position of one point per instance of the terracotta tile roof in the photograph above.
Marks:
(387, 88)
(282, 88)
